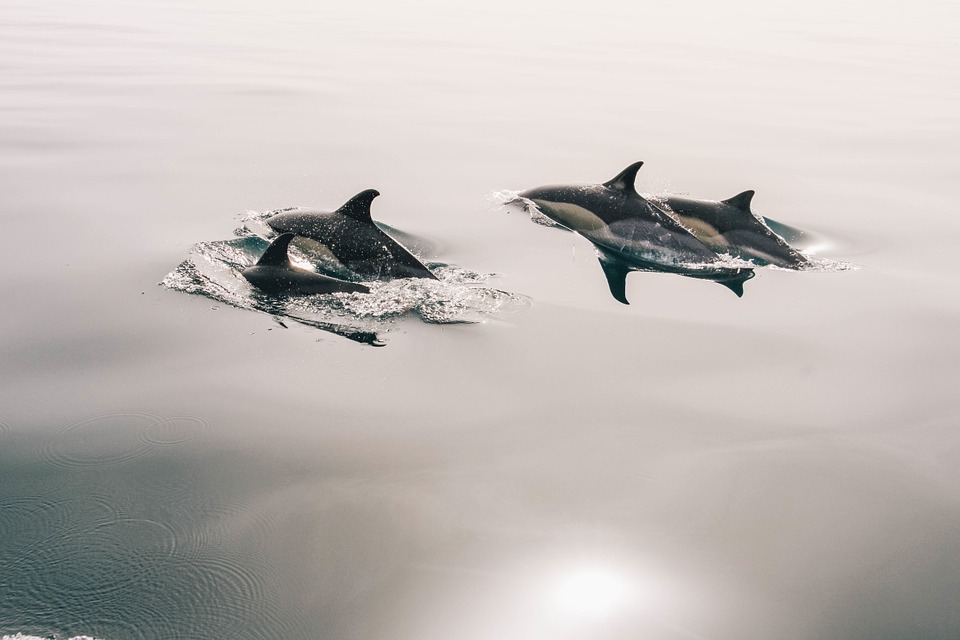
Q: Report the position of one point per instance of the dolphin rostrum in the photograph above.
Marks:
(632, 233)
(274, 274)
(351, 235)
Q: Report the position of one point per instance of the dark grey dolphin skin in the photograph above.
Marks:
(729, 226)
(350, 234)
(632, 233)
(274, 274)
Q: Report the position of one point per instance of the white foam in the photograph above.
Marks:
(21, 636)
(458, 296)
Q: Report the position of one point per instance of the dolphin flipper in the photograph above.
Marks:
(735, 283)
(616, 272)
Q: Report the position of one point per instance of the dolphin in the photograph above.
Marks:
(274, 274)
(351, 235)
(632, 233)
(729, 226)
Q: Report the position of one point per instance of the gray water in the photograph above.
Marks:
(693, 465)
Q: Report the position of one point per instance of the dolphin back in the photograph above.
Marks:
(353, 237)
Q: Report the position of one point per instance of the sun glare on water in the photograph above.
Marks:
(598, 592)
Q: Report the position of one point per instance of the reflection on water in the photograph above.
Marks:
(145, 557)
(595, 591)
(696, 465)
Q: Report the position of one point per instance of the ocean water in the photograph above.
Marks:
(510, 453)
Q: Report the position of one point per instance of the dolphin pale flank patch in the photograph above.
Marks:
(707, 233)
(570, 215)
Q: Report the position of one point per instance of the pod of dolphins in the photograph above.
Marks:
(703, 239)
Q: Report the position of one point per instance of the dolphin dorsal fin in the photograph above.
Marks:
(740, 201)
(358, 207)
(276, 253)
(625, 180)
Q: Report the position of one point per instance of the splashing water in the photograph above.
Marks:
(502, 199)
(20, 636)
(214, 270)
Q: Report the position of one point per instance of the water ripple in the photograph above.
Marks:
(108, 439)
(21, 636)
(129, 578)
(33, 516)
(173, 430)
(118, 437)
(33, 524)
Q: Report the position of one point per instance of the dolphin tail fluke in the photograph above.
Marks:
(616, 273)
(735, 283)
(276, 253)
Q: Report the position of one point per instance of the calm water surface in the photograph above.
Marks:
(691, 466)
